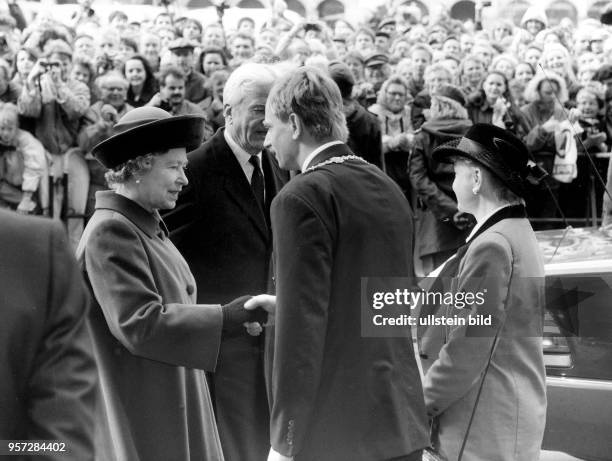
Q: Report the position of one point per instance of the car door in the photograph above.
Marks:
(578, 348)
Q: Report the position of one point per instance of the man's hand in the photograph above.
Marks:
(405, 141)
(275, 456)
(155, 101)
(500, 107)
(37, 71)
(266, 302)
(595, 140)
(109, 114)
(573, 115)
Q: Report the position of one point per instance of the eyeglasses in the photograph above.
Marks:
(47, 65)
(113, 88)
(394, 94)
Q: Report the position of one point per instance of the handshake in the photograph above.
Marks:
(250, 312)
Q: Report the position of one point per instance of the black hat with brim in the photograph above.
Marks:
(497, 149)
(606, 16)
(146, 130)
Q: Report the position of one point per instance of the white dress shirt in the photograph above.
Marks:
(243, 157)
(317, 151)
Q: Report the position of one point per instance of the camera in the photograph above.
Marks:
(312, 26)
(104, 63)
(3, 43)
(44, 65)
(486, 3)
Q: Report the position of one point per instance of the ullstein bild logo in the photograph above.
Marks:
(395, 306)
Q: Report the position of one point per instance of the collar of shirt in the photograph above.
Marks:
(242, 156)
(484, 220)
(316, 152)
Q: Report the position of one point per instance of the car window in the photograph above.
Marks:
(578, 325)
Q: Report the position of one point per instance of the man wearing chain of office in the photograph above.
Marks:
(335, 394)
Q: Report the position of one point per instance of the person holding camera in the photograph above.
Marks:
(56, 101)
(308, 31)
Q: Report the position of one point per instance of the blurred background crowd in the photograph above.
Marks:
(410, 81)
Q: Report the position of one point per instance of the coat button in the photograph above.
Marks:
(190, 289)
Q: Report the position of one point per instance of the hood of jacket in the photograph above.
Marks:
(446, 129)
(534, 13)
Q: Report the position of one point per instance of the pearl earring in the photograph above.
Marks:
(138, 181)
(475, 191)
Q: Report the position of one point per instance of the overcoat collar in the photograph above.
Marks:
(150, 223)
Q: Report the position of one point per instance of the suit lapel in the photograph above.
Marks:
(238, 188)
(275, 178)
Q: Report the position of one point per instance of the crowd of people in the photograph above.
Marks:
(196, 167)
(68, 83)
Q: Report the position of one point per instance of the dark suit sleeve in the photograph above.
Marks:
(303, 256)
(179, 334)
(488, 268)
(417, 115)
(63, 375)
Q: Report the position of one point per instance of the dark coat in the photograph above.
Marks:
(421, 102)
(225, 237)
(365, 137)
(46, 362)
(152, 341)
(336, 394)
(541, 144)
(148, 92)
(480, 111)
(433, 181)
(195, 87)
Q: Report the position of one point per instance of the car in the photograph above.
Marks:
(578, 341)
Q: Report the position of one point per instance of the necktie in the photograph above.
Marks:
(257, 181)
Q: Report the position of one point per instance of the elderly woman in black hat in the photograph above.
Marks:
(152, 342)
(485, 386)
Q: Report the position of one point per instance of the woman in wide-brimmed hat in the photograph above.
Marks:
(152, 342)
(501, 261)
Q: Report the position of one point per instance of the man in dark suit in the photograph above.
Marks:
(336, 394)
(221, 226)
(365, 136)
(48, 373)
